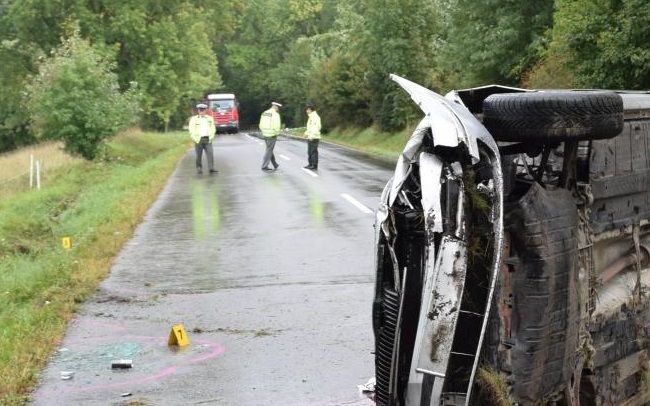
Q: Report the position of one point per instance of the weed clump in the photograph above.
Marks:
(493, 388)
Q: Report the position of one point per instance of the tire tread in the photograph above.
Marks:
(553, 116)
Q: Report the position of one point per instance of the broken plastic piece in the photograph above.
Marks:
(368, 387)
(121, 364)
(486, 190)
(67, 375)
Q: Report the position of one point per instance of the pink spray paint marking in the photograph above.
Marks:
(216, 349)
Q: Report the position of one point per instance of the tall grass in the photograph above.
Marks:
(493, 387)
(14, 166)
(98, 205)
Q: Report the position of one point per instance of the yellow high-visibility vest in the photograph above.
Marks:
(270, 123)
(313, 126)
(202, 126)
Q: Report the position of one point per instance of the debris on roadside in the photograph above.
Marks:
(121, 364)
(369, 387)
(126, 394)
(67, 375)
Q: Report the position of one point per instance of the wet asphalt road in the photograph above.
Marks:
(270, 273)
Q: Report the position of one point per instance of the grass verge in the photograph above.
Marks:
(98, 205)
(14, 166)
(371, 141)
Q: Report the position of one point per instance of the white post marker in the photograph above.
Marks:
(356, 203)
(31, 171)
(311, 173)
(38, 174)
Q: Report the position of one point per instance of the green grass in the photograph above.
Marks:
(14, 166)
(97, 204)
(493, 387)
(384, 145)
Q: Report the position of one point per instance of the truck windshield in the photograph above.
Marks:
(221, 104)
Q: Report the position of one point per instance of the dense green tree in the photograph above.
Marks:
(256, 48)
(165, 46)
(290, 80)
(169, 56)
(341, 91)
(339, 81)
(492, 41)
(75, 98)
(604, 42)
(337, 54)
(16, 61)
(270, 43)
(400, 37)
(552, 71)
(320, 68)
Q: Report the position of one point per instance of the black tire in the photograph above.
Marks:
(553, 116)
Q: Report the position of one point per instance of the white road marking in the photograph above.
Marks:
(356, 203)
(254, 139)
(315, 175)
(286, 158)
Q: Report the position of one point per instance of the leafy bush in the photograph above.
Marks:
(341, 92)
(75, 97)
(605, 43)
(14, 131)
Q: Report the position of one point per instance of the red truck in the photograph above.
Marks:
(224, 109)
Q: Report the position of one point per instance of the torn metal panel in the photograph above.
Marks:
(381, 214)
(450, 123)
(408, 156)
(430, 171)
(438, 317)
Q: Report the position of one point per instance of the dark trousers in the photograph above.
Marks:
(269, 156)
(206, 145)
(312, 153)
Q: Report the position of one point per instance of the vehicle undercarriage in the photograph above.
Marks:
(511, 251)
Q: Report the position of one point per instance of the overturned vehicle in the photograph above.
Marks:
(513, 245)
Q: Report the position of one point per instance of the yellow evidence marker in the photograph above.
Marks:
(178, 336)
(66, 242)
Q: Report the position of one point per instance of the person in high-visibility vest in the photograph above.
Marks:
(270, 125)
(313, 136)
(202, 131)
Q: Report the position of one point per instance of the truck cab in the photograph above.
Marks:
(224, 109)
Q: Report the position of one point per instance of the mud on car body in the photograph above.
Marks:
(513, 246)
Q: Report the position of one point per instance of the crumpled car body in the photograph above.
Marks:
(498, 261)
